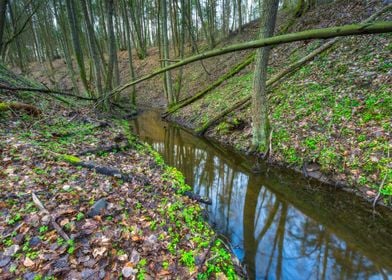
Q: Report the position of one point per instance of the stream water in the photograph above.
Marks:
(279, 225)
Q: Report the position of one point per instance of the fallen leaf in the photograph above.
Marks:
(28, 262)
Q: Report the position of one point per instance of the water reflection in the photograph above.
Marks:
(277, 225)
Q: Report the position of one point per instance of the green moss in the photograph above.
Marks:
(71, 159)
(3, 106)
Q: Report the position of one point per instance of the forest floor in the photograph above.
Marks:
(62, 216)
(330, 120)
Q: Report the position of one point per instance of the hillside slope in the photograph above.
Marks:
(331, 119)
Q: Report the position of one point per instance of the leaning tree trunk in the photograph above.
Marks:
(323, 33)
(261, 127)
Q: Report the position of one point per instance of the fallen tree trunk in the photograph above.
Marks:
(110, 171)
(16, 106)
(324, 33)
(56, 92)
(214, 85)
(291, 68)
(42, 90)
(104, 149)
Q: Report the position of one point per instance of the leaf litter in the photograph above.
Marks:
(115, 228)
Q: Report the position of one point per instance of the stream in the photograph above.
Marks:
(280, 225)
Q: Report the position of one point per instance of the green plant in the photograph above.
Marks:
(188, 259)
(43, 229)
(153, 225)
(291, 156)
(165, 265)
(222, 127)
(141, 269)
(71, 246)
(79, 216)
(60, 241)
(311, 143)
(15, 219)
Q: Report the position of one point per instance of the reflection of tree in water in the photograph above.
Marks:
(311, 251)
(276, 240)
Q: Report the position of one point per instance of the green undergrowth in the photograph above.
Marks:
(334, 111)
(221, 98)
(339, 119)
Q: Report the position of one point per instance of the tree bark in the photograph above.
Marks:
(70, 5)
(261, 126)
(98, 68)
(113, 63)
(3, 8)
(129, 49)
(165, 48)
(239, 16)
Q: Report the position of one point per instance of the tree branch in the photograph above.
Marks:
(325, 33)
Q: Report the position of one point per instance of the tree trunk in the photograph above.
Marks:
(66, 49)
(261, 126)
(165, 48)
(3, 8)
(76, 41)
(204, 25)
(129, 49)
(113, 63)
(239, 16)
(98, 68)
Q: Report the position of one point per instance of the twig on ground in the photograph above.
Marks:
(55, 225)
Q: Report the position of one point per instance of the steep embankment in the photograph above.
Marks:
(330, 119)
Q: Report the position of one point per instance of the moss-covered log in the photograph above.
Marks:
(16, 106)
(324, 33)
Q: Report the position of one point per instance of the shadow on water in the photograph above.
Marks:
(280, 225)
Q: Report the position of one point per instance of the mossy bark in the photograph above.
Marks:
(16, 106)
